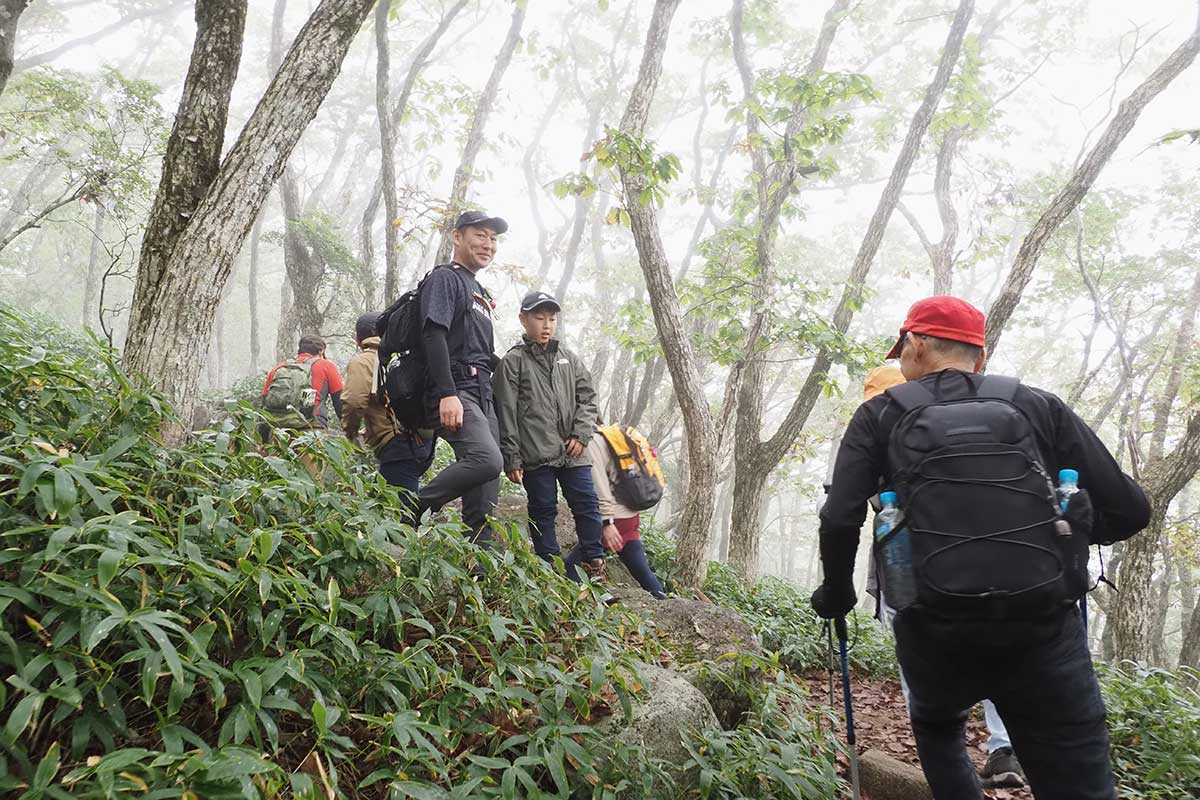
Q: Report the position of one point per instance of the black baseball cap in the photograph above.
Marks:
(534, 300)
(480, 219)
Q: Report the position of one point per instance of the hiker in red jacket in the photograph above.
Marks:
(298, 392)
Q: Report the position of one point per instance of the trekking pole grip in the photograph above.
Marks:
(839, 625)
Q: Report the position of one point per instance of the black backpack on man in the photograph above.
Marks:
(980, 507)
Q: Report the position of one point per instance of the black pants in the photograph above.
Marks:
(1043, 685)
(475, 474)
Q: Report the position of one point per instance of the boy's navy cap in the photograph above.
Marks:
(534, 300)
(482, 220)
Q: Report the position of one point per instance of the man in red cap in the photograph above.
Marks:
(990, 568)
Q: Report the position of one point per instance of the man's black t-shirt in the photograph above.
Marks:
(452, 299)
(1121, 508)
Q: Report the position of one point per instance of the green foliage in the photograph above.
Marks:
(779, 751)
(100, 134)
(1154, 722)
(207, 620)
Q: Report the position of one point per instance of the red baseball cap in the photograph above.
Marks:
(944, 317)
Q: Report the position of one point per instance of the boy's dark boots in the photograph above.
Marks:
(1002, 770)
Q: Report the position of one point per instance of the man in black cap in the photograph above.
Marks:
(547, 408)
(457, 339)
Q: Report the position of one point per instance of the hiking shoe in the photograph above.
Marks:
(595, 568)
(1002, 770)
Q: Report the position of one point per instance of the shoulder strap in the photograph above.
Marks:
(1001, 387)
(910, 395)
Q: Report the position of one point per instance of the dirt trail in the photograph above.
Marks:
(881, 722)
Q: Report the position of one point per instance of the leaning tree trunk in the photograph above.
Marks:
(191, 162)
(757, 460)
(693, 532)
(174, 323)
(10, 12)
(466, 167)
(1077, 186)
(387, 152)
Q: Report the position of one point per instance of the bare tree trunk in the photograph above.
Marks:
(37, 177)
(533, 186)
(10, 12)
(91, 284)
(419, 60)
(1081, 181)
(943, 255)
(1189, 655)
(252, 295)
(170, 328)
(466, 167)
(387, 150)
(693, 532)
(192, 159)
(1133, 619)
(757, 459)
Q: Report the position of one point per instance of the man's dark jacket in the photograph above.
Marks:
(1065, 441)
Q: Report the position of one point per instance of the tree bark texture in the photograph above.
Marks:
(773, 186)
(252, 295)
(173, 327)
(1081, 181)
(387, 151)
(466, 167)
(10, 13)
(1134, 616)
(193, 155)
(693, 534)
(91, 283)
(758, 459)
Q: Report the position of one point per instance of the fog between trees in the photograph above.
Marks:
(735, 201)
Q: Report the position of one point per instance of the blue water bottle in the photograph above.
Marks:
(1068, 484)
(899, 587)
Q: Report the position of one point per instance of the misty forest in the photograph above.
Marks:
(733, 203)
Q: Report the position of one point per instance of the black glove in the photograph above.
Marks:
(834, 600)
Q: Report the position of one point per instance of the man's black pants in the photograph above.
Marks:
(475, 474)
(1043, 685)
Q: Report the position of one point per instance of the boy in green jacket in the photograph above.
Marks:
(547, 409)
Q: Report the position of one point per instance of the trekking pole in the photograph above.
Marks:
(840, 624)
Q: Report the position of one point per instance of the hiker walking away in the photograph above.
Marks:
(991, 611)
(458, 345)
(1002, 769)
(547, 409)
(403, 455)
(298, 392)
(621, 531)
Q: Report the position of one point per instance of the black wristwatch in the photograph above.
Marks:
(609, 521)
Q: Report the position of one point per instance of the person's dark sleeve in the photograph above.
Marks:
(336, 398)
(856, 476)
(437, 359)
(1121, 508)
(583, 421)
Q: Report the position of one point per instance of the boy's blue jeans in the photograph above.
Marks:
(541, 486)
